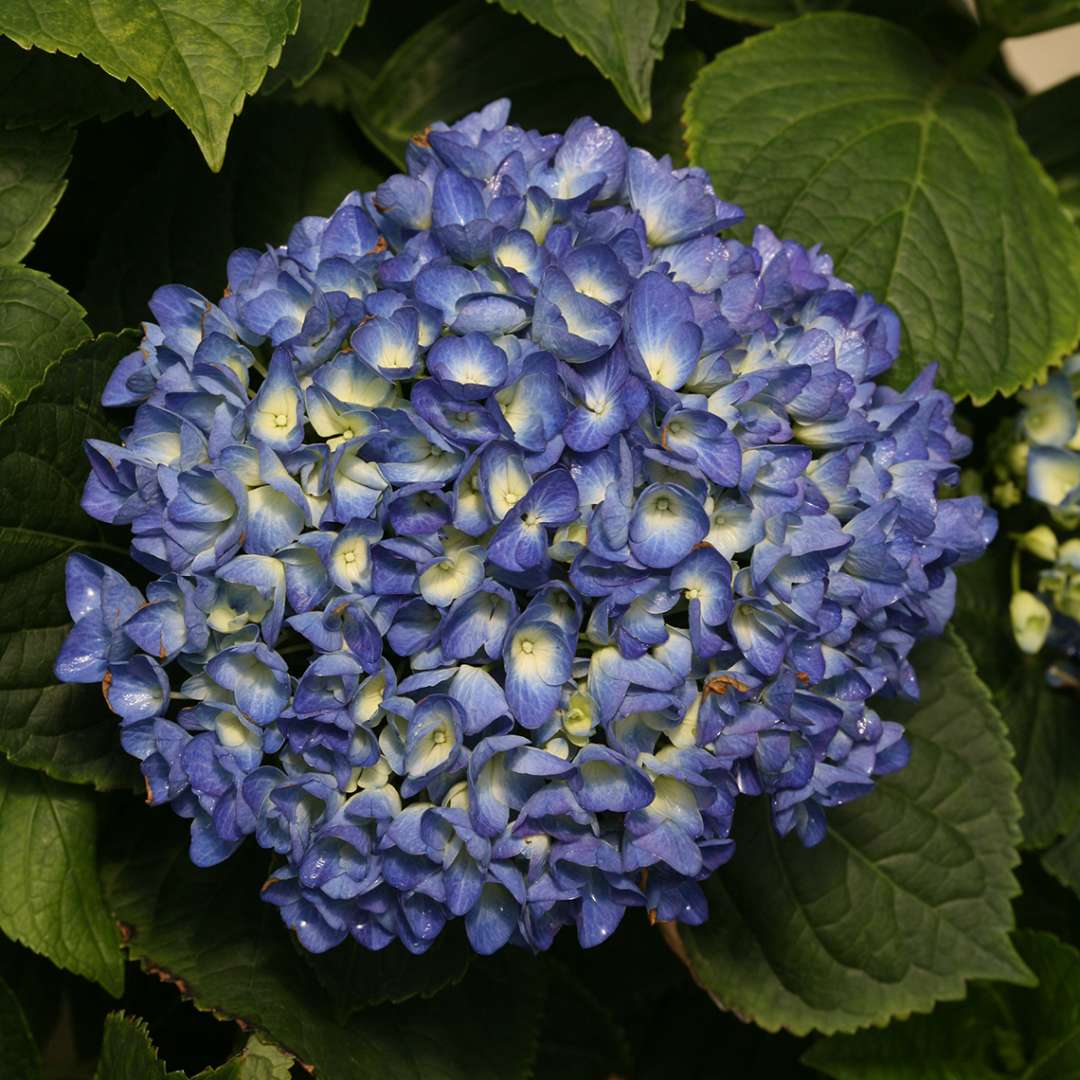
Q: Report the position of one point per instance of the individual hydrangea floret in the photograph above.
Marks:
(504, 529)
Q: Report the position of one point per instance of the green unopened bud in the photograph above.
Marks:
(1018, 458)
(1040, 542)
(578, 720)
(1052, 583)
(1064, 580)
(1049, 414)
(1068, 517)
(1069, 554)
(558, 747)
(1068, 600)
(1006, 495)
(1030, 621)
(457, 798)
(569, 540)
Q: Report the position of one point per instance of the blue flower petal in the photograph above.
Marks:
(491, 922)
(666, 524)
(469, 366)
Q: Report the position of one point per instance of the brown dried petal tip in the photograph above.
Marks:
(720, 684)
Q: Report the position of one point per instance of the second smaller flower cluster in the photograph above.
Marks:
(1037, 455)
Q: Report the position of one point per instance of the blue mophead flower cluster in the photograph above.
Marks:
(507, 525)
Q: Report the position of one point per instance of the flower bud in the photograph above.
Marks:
(1041, 542)
(1030, 619)
(1049, 416)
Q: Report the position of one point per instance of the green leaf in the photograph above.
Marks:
(182, 222)
(841, 129)
(50, 898)
(1056, 144)
(32, 167)
(208, 931)
(18, 1051)
(1041, 721)
(323, 29)
(434, 75)
(355, 978)
(1063, 859)
(905, 900)
(62, 728)
(126, 1050)
(38, 322)
(998, 1032)
(953, 1042)
(582, 1038)
(634, 1012)
(623, 38)
(201, 57)
(128, 1053)
(258, 1060)
(769, 12)
(1017, 18)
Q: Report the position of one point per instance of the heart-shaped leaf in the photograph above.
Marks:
(905, 900)
(842, 130)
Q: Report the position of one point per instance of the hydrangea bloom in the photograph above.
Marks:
(1037, 454)
(506, 526)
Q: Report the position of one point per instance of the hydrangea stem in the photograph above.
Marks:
(979, 53)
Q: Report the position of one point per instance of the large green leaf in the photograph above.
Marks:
(38, 322)
(905, 900)
(997, 1032)
(434, 75)
(208, 931)
(18, 1051)
(1041, 721)
(201, 57)
(841, 129)
(355, 978)
(50, 898)
(127, 1053)
(582, 1037)
(1055, 142)
(322, 31)
(62, 728)
(32, 167)
(182, 222)
(623, 38)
